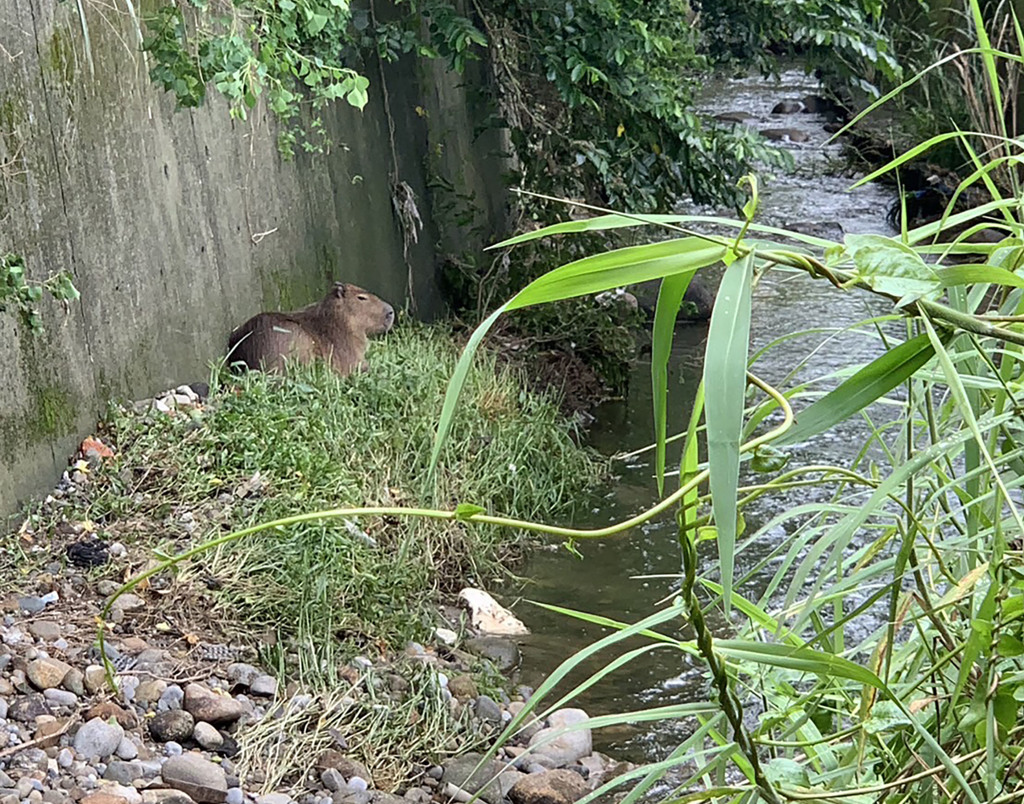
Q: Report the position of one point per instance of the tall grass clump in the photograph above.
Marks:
(268, 447)
(877, 653)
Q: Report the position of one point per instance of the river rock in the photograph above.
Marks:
(463, 773)
(349, 768)
(46, 673)
(44, 630)
(173, 725)
(463, 687)
(123, 772)
(734, 117)
(242, 674)
(95, 678)
(103, 797)
(200, 779)
(207, 736)
(108, 709)
(149, 691)
(785, 134)
(98, 738)
(487, 710)
(488, 616)
(206, 705)
(26, 708)
(165, 795)
(568, 746)
(550, 787)
(530, 727)
(264, 685)
(502, 652)
(788, 106)
(74, 682)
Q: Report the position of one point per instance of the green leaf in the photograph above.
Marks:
(870, 383)
(768, 459)
(465, 511)
(725, 382)
(670, 298)
(619, 267)
(887, 266)
(977, 274)
(804, 660)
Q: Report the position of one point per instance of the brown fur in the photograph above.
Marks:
(334, 329)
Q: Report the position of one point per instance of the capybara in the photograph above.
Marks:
(334, 329)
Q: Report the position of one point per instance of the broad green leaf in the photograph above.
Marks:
(620, 267)
(804, 660)
(768, 459)
(670, 298)
(725, 382)
(887, 266)
(870, 383)
(977, 274)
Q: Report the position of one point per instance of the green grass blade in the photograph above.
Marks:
(670, 298)
(458, 380)
(988, 59)
(690, 461)
(725, 381)
(870, 383)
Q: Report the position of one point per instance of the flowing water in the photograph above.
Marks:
(606, 581)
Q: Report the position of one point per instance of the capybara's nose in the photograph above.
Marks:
(389, 316)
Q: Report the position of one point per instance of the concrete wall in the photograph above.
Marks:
(179, 225)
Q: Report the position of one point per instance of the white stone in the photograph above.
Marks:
(488, 616)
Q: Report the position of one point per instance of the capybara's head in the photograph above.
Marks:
(363, 311)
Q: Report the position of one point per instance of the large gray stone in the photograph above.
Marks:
(560, 744)
(199, 778)
(211, 707)
(98, 738)
(466, 773)
(502, 651)
(174, 724)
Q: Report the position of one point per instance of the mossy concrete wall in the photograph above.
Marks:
(179, 225)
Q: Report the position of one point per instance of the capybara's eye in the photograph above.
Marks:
(362, 297)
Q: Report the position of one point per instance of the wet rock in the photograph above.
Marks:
(550, 787)
(46, 673)
(173, 725)
(463, 687)
(488, 616)
(788, 106)
(98, 738)
(463, 773)
(206, 705)
(200, 779)
(567, 747)
(785, 134)
(207, 736)
(504, 653)
(734, 117)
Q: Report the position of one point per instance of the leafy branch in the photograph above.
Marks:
(21, 295)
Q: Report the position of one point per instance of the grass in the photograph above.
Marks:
(267, 447)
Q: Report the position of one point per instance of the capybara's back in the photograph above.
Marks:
(334, 329)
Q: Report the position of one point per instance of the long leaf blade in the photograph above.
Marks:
(670, 298)
(870, 383)
(725, 380)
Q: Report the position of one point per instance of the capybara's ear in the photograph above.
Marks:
(338, 291)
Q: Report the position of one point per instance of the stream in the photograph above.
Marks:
(606, 581)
